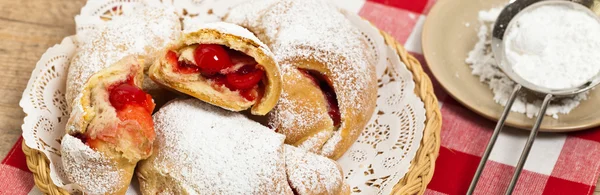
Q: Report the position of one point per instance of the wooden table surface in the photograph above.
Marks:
(27, 29)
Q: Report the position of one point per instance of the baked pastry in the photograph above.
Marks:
(201, 149)
(309, 173)
(329, 82)
(222, 64)
(145, 31)
(110, 129)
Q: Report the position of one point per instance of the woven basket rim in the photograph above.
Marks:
(414, 182)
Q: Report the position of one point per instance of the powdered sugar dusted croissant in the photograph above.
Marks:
(329, 82)
(222, 64)
(201, 149)
(109, 130)
(110, 126)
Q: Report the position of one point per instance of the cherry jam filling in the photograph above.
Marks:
(123, 95)
(211, 58)
(131, 104)
(223, 67)
(325, 84)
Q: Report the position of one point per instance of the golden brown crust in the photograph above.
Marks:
(356, 115)
(304, 100)
(298, 91)
(161, 70)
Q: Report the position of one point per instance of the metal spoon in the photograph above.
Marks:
(500, 27)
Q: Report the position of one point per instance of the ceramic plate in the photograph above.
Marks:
(449, 33)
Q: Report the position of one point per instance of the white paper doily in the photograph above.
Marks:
(373, 165)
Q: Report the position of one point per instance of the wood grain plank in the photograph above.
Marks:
(44, 12)
(27, 30)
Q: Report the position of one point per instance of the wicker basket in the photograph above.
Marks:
(414, 182)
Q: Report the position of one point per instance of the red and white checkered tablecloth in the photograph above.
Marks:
(558, 163)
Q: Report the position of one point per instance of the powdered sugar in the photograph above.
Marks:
(298, 113)
(217, 152)
(229, 28)
(554, 46)
(92, 171)
(309, 173)
(331, 144)
(483, 64)
(314, 143)
(143, 32)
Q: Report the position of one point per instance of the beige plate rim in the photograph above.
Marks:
(448, 18)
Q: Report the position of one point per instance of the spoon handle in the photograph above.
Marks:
(490, 145)
(529, 143)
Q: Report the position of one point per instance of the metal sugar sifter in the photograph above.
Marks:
(503, 24)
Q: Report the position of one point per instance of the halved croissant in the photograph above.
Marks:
(110, 126)
(222, 64)
(109, 130)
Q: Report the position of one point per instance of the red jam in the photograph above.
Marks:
(250, 95)
(131, 104)
(245, 78)
(325, 84)
(334, 110)
(125, 94)
(215, 62)
(181, 67)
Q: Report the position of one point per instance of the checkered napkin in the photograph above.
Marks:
(557, 164)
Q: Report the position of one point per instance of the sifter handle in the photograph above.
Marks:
(527, 148)
(490, 145)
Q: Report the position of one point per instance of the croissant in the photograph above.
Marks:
(222, 64)
(110, 130)
(201, 149)
(329, 87)
(110, 127)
